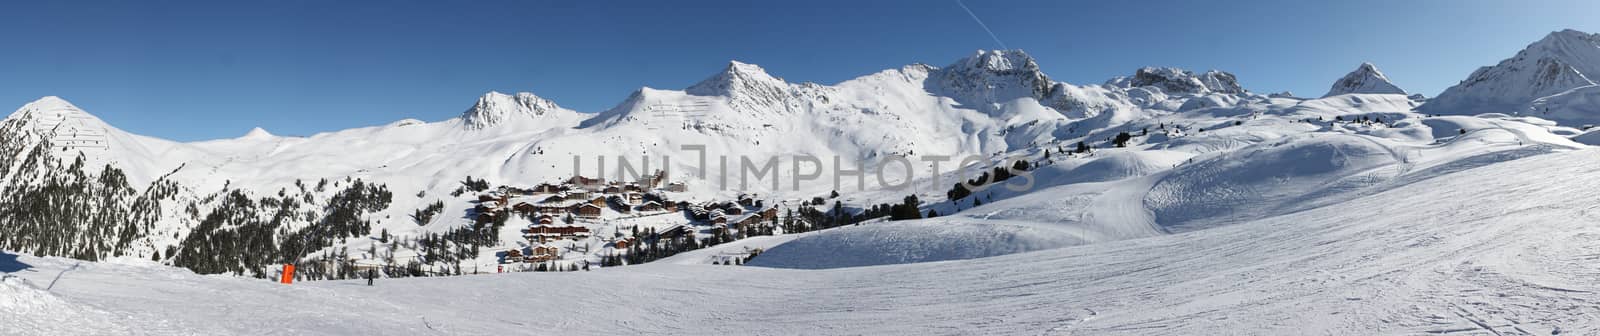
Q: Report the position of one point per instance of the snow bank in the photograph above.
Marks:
(900, 242)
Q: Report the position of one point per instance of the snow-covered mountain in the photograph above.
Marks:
(1562, 61)
(1365, 79)
(1185, 136)
(1243, 208)
(991, 102)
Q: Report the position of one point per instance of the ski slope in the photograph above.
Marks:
(1508, 248)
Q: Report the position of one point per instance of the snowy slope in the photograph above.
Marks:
(1494, 249)
(1561, 61)
(1365, 79)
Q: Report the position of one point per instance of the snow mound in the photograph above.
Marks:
(1113, 166)
(902, 242)
(1575, 107)
(29, 310)
(1267, 179)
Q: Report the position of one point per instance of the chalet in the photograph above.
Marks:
(653, 180)
(514, 255)
(545, 252)
(677, 187)
(752, 219)
(545, 219)
(719, 220)
(544, 233)
(577, 193)
(584, 181)
(598, 201)
(632, 187)
(587, 210)
(635, 197)
(485, 198)
(524, 208)
(670, 207)
(545, 208)
(733, 210)
(675, 231)
(546, 188)
(650, 206)
(557, 198)
(769, 213)
(699, 211)
(747, 199)
(487, 217)
(622, 244)
(611, 189)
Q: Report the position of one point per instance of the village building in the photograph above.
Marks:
(584, 181)
(622, 244)
(544, 252)
(524, 208)
(677, 187)
(587, 210)
(650, 206)
(676, 231)
(543, 233)
(752, 219)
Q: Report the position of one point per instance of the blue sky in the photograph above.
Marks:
(202, 70)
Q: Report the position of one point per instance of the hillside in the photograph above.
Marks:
(1496, 249)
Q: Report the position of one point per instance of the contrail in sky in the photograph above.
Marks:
(980, 24)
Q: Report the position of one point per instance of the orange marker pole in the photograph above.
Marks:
(288, 274)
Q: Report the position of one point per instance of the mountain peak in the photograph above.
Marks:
(47, 104)
(257, 134)
(1365, 79)
(991, 76)
(739, 78)
(1560, 61)
(1177, 80)
(51, 103)
(1014, 60)
(494, 108)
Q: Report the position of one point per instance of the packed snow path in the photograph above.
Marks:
(1511, 248)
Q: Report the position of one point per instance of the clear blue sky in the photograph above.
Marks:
(203, 70)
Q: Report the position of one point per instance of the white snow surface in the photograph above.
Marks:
(1226, 212)
(1506, 248)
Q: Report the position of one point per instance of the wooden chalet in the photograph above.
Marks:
(677, 187)
(584, 181)
(546, 188)
(587, 210)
